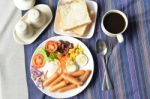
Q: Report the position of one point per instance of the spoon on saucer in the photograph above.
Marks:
(103, 50)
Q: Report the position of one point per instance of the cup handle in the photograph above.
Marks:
(120, 38)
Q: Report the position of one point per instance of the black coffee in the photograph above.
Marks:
(114, 23)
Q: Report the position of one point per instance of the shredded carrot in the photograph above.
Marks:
(63, 61)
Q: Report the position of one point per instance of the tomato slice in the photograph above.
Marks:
(38, 61)
(51, 46)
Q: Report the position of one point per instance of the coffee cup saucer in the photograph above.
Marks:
(45, 10)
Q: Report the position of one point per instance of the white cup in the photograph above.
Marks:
(36, 18)
(23, 30)
(118, 35)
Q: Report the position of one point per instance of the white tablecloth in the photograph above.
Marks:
(12, 68)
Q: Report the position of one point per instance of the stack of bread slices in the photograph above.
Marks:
(74, 16)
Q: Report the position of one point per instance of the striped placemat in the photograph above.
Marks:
(129, 65)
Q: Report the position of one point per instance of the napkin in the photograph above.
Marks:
(12, 67)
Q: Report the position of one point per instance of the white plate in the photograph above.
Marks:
(37, 31)
(90, 66)
(92, 5)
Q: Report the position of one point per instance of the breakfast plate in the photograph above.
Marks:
(88, 33)
(61, 67)
(45, 10)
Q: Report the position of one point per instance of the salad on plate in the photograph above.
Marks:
(58, 66)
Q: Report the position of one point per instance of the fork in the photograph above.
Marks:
(106, 84)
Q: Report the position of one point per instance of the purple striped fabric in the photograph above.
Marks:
(129, 64)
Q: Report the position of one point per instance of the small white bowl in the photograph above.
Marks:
(92, 5)
(44, 9)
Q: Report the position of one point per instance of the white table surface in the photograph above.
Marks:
(12, 68)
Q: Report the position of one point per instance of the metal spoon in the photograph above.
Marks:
(103, 50)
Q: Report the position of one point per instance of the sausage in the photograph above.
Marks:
(78, 73)
(85, 76)
(71, 79)
(66, 88)
(50, 79)
(59, 85)
(56, 81)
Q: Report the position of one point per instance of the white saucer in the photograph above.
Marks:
(37, 31)
(24, 4)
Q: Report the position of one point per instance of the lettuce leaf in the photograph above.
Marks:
(51, 57)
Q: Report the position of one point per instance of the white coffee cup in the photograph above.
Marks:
(110, 34)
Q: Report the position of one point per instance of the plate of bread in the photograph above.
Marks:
(62, 67)
(75, 18)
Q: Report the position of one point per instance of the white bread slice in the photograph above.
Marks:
(79, 30)
(74, 14)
